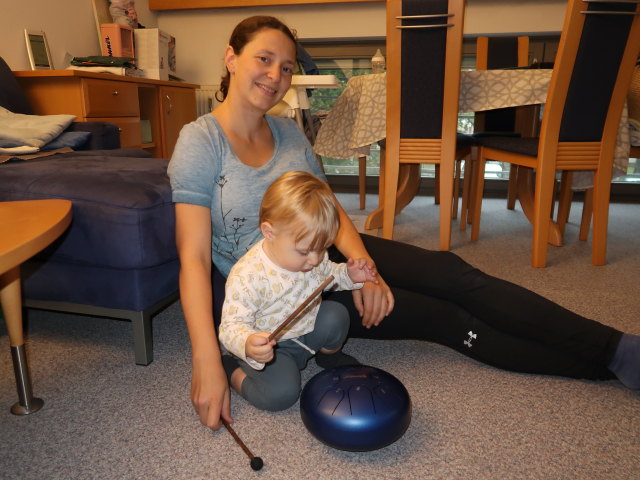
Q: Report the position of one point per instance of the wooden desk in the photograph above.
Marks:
(129, 102)
(27, 227)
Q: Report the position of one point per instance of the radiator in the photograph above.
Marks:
(205, 98)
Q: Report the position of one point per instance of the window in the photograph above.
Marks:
(346, 59)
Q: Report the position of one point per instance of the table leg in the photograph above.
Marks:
(526, 188)
(10, 298)
(362, 180)
(408, 185)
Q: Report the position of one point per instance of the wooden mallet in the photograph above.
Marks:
(256, 462)
(291, 318)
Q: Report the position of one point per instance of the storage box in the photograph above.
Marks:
(116, 40)
(155, 53)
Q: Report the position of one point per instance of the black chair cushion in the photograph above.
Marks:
(462, 141)
(525, 146)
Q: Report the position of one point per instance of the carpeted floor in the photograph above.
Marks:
(106, 418)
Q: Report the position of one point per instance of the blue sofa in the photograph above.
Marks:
(118, 258)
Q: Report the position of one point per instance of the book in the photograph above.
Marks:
(129, 71)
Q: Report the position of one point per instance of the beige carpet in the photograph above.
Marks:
(106, 418)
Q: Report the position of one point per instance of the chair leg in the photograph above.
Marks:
(142, 337)
(474, 187)
(466, 211)
(564, 200)
(512, 187)
(601, 195)
(392, 168)
(446, 200)
(362, 180)
(587, 212)
(436, 186)
(477, 193)
(542, 202)
(456, 188)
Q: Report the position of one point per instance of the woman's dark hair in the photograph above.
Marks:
(243, 34)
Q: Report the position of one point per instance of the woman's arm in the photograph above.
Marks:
(210, 393)
(373, 301)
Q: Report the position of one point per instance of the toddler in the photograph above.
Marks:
(299, 220)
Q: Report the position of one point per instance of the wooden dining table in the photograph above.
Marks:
(358, 119)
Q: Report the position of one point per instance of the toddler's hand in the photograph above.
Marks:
(259, 348)
(361, 271)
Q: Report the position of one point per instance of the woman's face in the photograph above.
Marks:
(261, 73)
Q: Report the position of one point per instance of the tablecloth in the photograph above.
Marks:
(358, 117)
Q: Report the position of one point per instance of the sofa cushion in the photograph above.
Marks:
(17, 129)
(74, 140)
(128, 289)
(123, 216)
(104, 135)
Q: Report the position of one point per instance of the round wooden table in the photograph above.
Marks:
(26, 228)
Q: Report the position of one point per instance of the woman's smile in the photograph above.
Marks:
(268, 90)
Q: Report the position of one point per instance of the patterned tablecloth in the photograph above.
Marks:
(358, 117)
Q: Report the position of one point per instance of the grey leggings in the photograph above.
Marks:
(278, 385)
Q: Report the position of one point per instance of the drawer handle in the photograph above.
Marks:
(170, 104)
(115, 93)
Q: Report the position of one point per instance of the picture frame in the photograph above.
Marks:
(38, 50)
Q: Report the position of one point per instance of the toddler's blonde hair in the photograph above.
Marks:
(305, 204)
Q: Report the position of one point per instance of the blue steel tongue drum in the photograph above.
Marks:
(356, 408)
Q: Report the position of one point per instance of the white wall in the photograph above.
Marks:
(69, 25)
(201, 35)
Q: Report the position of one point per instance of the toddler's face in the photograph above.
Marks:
(285, 252)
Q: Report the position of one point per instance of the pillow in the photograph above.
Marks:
(73, 140)
(17, 129)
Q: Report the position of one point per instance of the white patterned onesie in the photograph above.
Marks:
(260, 295)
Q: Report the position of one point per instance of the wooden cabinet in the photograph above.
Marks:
(149, 113)
(178, 107)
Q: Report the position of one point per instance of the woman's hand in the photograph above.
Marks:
(210, 394)
(374, 301)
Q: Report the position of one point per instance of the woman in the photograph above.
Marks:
(222, 164)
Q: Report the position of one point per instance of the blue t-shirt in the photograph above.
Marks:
(204, 170)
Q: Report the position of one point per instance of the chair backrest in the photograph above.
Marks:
(501, 52)
(11, 95)
(496, 53)
(597, 52)
(424, 51)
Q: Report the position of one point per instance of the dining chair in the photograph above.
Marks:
(566, 193)
(598, 48)
(424, 51)
(497, 53)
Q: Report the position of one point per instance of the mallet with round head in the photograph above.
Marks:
(256, 462)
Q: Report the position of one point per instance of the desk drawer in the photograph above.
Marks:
(105, 99)
(130, 132)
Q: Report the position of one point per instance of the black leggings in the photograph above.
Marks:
(441, 298)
